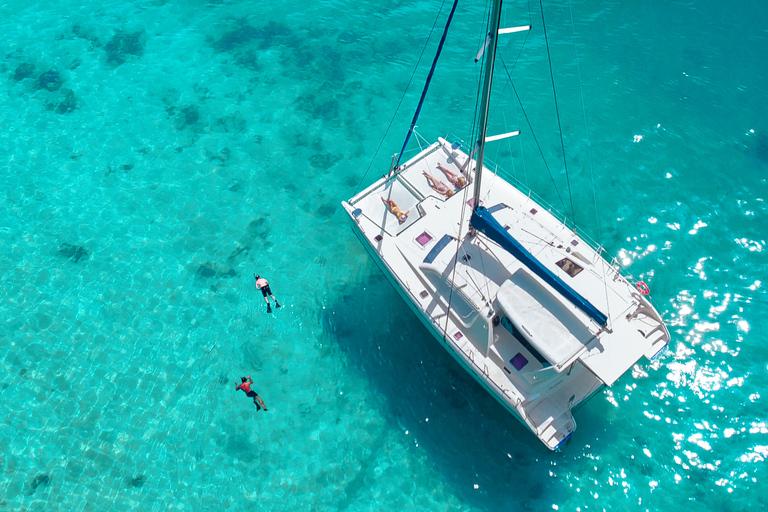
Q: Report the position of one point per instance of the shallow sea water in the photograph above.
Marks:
(185, 145)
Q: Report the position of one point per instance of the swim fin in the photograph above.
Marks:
(277, 304)
(269, 308)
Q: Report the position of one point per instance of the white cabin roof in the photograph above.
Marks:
(543, 318)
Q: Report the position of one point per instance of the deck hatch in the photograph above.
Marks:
(424, 238)
(519, 361)
(497, 207)
(569, 267)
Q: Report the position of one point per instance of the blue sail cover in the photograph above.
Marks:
(483, 221)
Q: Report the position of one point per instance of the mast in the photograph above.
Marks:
(490, 58)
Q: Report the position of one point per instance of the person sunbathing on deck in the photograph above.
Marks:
(395, 210)
(438, 186)
(456, 181)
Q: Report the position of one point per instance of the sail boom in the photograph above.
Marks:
(502, 136)
(512, 30)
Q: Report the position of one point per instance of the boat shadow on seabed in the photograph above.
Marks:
(464, 432)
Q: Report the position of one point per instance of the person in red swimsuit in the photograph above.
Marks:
(246, 386)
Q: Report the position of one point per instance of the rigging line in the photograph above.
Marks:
(402, 98)
(456, 256)
(540, 239)
(468, 164)
(487, 280)
(477, 287)
(522, 152)
(589, 152)
(517, 116)
(586, 129)
(557, 110)
(533, 134)
(458, 246)
(474, 129)
(530, 17)
(503, 113)
(429, 81)
(470, 151)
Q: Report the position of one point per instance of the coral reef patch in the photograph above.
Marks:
(24, 70)
(40, 480)
(50, 81)
(75, 252)
(122, 45)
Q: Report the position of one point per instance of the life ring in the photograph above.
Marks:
(643, 288)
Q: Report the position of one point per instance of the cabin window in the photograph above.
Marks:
(569, 267)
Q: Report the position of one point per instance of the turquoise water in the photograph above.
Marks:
(184, 145)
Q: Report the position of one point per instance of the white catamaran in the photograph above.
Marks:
(529, 308)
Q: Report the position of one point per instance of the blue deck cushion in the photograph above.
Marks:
(439, 246)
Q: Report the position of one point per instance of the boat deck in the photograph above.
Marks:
(525, 363)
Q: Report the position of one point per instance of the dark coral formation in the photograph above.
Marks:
(206, 270)
(50, 81)
(191, 115)
(323, 160)
(137, 481)
(327, 210)
(62, 100)
(242, 35)
(221, 158)
(229, 273)
(237, 252)
(246, 42)
(187, 117)
(322, 107)
(258, 232)
(248, 59)
(75, 252)
(67, 103)
(123, 44)
(25, 70)
(41, 479)
(83, 33)
(232, 123)
(245, 34)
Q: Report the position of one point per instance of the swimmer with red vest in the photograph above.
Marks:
(246, 386)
